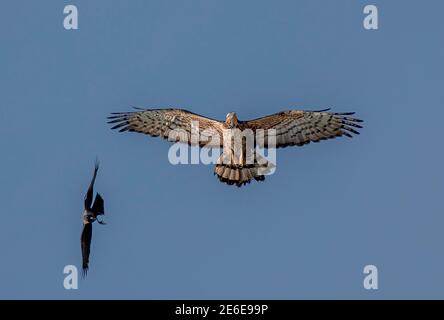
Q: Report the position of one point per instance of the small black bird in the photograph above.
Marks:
(90, 215)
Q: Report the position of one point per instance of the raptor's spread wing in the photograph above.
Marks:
(171, 124)
(297, 127)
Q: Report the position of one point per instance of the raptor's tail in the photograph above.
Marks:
(241, 174)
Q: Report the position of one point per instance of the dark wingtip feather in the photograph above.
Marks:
(119, 125)
(121, 120)
(352, 119)
(117, 120)
(350, 129)
(322, 110)
(351, 124)
(344, 113)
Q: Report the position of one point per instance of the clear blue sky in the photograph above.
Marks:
(175, 231)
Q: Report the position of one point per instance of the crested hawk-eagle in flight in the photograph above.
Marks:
(286, 128)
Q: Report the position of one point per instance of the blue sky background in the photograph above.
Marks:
(175, 231)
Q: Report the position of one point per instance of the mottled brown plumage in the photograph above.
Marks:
(160, 123)
(293, 127)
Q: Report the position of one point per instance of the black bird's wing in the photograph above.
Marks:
(98, 206)
(90, 192)
(85, 241)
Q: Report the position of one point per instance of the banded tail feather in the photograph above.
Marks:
(241, 174)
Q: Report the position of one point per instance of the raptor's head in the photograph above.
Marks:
(231, 120)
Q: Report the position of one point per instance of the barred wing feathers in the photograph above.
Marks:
(162, 122)
(297, 127)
